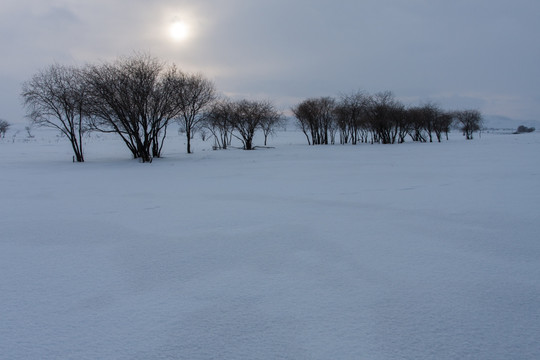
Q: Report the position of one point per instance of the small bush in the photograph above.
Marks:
(523, 129)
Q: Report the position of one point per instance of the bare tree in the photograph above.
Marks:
(4, 126)
(217, 120)
(442, 124)
(429, 114)
(327, 123)
(195, 94)
(247, 116)
(164, 106)
(270, 123)
(306, 119)
(403, 123)
(135, 97)
(317, 118)
(416, 123)
(29, 131)
(469, 121)
(57, 97)
(351, 116)
(384, 115)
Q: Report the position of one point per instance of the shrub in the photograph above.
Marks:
(523, 129)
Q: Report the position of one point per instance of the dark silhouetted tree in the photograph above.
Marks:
(317, 118)
(57, 97)
(416, 122)
(247, 116)
(352, 117)
(384, 113)
(270, 123)
(135, 97)
(195, 94)
(305, 114)
(4, 126)
(469, 121)
(217, 119)
(442, 124)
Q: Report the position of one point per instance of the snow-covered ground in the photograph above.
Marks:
(412, 251)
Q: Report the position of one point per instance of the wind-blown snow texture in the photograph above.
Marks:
(413, 251)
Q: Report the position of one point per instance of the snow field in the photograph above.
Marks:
(412, 251)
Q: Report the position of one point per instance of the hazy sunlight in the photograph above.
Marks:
(179, 30)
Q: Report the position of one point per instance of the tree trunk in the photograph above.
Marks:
(188, 135)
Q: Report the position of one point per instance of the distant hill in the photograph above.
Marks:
(503, 122)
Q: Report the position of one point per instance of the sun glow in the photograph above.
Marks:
(179, 30)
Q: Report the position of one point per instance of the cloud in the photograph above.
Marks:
(475, 50)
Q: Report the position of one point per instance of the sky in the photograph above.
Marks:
(460, 54)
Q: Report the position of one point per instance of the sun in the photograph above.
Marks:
(179, 30)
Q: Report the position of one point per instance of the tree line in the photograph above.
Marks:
(378, 118)
(137, 98)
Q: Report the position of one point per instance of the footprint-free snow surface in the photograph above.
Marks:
(411, 251)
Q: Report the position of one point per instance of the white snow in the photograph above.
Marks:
(412, 251)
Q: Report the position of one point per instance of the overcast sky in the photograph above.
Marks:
(482, 54)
